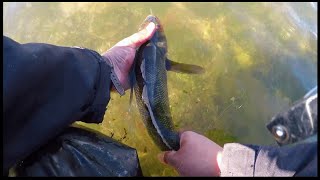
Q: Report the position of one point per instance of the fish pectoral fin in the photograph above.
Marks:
(131, 96)
(132, 81)
(183, 68)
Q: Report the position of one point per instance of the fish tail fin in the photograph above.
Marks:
(183, 68)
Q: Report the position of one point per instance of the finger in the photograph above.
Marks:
(143, 36)
(161, 157)
(181, 131)
(137, 39)
(185, 136)
(168, 157)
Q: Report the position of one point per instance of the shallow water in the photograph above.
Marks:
(259, 59)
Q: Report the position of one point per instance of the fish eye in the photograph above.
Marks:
(280, 133)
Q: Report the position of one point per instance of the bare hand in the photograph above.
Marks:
(197, 156)
(122, 54)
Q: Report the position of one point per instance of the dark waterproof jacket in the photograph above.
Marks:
(46, 88)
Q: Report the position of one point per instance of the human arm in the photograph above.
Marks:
(252, 160)
(241, 160)
(46, 88)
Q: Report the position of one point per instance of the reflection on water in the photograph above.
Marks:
(259, 59)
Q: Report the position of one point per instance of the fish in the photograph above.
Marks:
(149, 82)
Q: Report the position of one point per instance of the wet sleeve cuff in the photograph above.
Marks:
(106, 77)
(237, 160)
(102, 87)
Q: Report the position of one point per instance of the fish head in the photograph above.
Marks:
(158, 39)
(154, 19)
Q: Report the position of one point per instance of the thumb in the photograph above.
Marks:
(137, 39)
(168, 157)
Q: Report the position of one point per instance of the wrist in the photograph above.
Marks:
(116, 82)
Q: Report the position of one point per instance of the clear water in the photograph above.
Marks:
(259, 59)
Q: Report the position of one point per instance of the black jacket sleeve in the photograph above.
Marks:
(45, 89)
(300, 159)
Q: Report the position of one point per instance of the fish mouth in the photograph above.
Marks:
(151, 18)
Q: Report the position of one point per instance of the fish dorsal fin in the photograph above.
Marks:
(183, 68)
